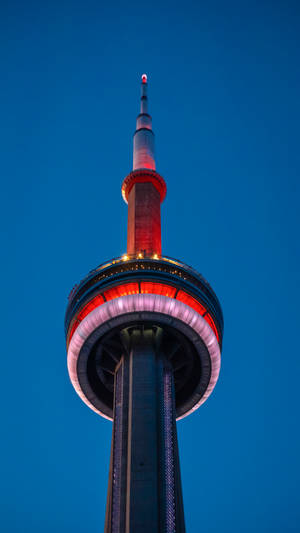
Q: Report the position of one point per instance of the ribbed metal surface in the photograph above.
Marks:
(117, 453)
(168, 409)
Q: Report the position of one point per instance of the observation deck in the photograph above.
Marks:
(167, 288)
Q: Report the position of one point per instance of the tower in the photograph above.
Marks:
(144, 336)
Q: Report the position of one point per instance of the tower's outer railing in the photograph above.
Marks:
(126, 268)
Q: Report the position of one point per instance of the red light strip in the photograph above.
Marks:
(90, 306)
(157, 288)
(192, 302)
(121, 290)
(211, 323)
(146, 287)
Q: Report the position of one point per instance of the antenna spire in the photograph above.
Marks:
(143, 140)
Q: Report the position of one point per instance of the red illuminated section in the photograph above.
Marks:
(210, 321)
(121, 290)
(90, 306)
(144, 287)
(191, 302)
(144, 191)
(158, 288)
(144, 176)
(144, 227)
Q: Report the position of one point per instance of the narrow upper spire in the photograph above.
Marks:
(144, 189)
(143, 141)
(144, 99)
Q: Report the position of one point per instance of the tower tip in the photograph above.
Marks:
(144, 78)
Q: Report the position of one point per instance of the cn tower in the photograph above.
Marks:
(144, 334)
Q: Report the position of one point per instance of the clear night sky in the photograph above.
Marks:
(224, 95)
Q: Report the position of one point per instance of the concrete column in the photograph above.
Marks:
(144, 227)
(144, 494)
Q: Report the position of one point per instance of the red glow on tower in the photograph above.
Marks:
(144, 189)
(144, 287)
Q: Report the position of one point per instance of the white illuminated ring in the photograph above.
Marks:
(153, 303)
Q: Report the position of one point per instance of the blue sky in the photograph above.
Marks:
(224, 95)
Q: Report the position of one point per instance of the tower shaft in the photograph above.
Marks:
(144, 227)
(144, 493)
(144, 189)
(143, 140)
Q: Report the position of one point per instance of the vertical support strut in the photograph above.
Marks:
(144, 492)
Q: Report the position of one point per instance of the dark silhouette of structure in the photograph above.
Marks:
(143, 337)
